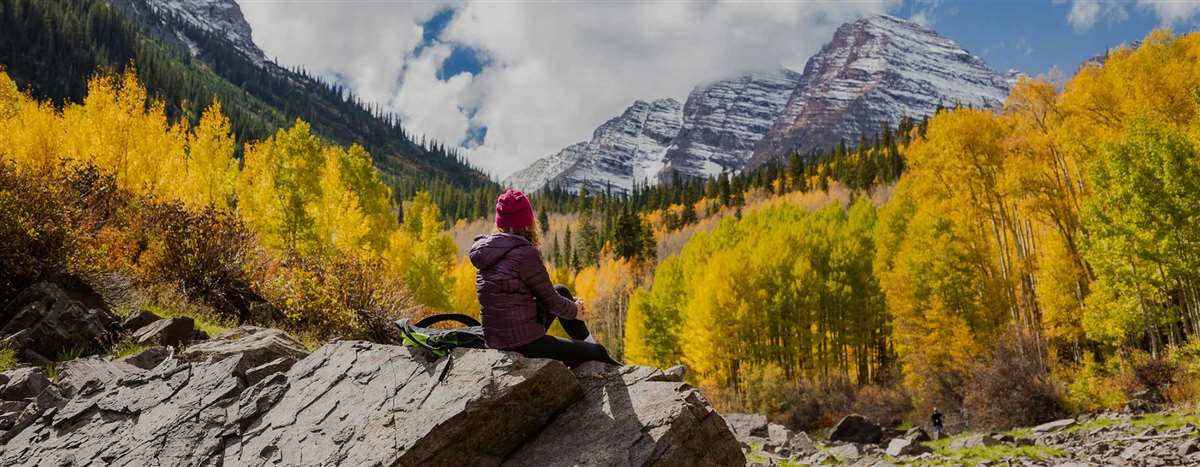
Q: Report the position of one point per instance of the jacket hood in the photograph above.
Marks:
(490, 249)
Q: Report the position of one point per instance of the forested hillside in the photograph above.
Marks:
(302, 233)
(1030, 262)
(52, 48)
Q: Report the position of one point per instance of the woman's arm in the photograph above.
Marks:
(533, 273)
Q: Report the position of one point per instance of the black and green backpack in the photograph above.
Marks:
(440, 341)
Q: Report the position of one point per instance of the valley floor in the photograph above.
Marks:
(1165, 438)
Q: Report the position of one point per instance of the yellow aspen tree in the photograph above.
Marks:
(211, 171)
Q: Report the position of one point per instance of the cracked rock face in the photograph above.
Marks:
(355, 403)
(358, 403)
(631, 416)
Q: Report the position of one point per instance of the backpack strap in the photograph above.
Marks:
(455, 317)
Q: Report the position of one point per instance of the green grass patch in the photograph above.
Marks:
(1163, 421)
(70, 354)
(8, 360)
(1024, 432)
(53, 371)
(126, 347)
(1093, 424)
(976, 455)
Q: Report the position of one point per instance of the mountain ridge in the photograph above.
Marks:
(872, 73)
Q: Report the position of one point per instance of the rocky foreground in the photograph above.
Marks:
(256, 396)
(1125, 439)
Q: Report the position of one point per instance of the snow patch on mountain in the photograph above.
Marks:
(624, 150)
(221, 17)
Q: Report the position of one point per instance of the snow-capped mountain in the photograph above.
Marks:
(623, 150)
(875, 71)
(219, 17)
(724, 120)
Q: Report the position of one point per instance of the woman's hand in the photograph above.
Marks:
(579, 305)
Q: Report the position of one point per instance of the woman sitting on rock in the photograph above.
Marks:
(517, 301)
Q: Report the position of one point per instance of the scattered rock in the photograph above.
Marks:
(173, 332)
(906, 447)
(917, 434)
(677, 373)
(974, 441)
(1133, 451)
(778, 434)
(24, 383)
(802, 444)
(255, 345)
(56, 316)
(846, 452)
(747, 424)
(1188, 447)
(856, 428)
(624, 420)
(138, 319)
(1054, 426)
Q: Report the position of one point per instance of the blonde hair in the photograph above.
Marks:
(529, 233)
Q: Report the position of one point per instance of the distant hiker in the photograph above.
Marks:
(936, 421)
(517, 301)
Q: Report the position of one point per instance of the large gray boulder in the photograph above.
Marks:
(56, 316)
(856, 428)
(355, 403)
(630, 416)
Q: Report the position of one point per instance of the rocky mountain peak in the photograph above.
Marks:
(723, 121)
(873, 72)
(220, 17)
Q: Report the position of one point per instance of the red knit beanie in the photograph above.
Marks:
(513, 211)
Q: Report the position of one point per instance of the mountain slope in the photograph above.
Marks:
(624, 150)
(872, 73)
(190, 52)
(724, 120)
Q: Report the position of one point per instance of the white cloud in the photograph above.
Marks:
(555, 70)
(365, 42)
(1172, 12)
(1085, 13)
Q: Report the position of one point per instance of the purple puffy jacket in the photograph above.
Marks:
(510, 283)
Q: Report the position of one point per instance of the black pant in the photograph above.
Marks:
(572, 351)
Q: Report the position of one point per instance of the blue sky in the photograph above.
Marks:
(1033, 36)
